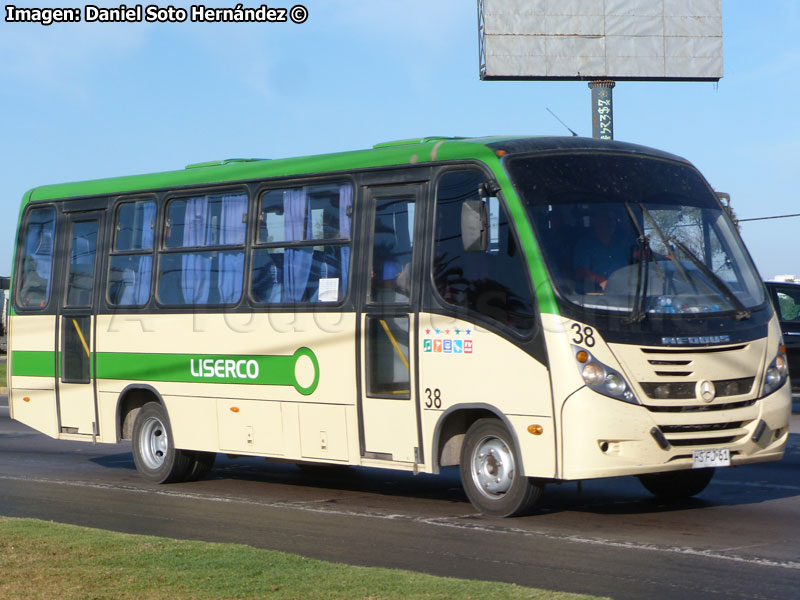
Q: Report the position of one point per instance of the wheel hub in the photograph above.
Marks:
(492, 467)
(154, 443)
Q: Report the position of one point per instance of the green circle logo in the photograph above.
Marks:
(302, 371)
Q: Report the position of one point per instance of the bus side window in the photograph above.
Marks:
(302, 251)
(392, 251)
(130, 274)
(202, 262)
(492, 283)
(37, 259)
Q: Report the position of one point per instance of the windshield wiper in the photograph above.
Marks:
(665, 241)
(638, 312)
(741, 310)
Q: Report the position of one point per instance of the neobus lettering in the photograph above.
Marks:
(696, 340)
(224, 368)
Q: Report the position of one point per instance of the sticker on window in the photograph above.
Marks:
(329, 289)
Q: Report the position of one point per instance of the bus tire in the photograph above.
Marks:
(674, 486)
(202, 463)
(154, 450)
(490, 473)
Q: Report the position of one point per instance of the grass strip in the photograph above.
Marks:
(47, 560)
(3, 382)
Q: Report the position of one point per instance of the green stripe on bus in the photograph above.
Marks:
(33, 363)
(545, 297)
(182, 368)
(208, 368)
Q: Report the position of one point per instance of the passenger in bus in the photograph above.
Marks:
(34, 286)
(601, 251)
(390, 274)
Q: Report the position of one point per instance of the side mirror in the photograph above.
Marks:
(474, 226)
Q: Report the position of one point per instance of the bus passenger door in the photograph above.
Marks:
(389, 420)
(77, 412)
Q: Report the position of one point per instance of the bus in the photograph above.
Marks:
(530, 309)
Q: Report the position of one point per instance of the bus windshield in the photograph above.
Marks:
(636, 234)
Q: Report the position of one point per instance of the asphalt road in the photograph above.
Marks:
(739, 539)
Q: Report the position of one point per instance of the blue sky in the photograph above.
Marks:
(82, 101)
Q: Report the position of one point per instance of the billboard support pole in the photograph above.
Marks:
(602, 109)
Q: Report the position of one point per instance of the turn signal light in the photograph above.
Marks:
(582, 356)
(26, 399)
(535, 429)
(234, 409)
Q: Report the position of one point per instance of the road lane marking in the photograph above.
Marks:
(456, 522)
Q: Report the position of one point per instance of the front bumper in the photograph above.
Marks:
(603, 437)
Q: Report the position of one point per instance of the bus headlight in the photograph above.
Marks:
(776, 373)
(593, 374)
(602, 378)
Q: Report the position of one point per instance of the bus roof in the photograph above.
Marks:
(397, 153)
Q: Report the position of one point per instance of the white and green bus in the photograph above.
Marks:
(533, 310)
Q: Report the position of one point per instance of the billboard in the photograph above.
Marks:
(642, 40)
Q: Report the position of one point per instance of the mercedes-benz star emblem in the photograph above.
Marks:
(706, 391)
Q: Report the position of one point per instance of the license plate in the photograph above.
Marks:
(717, 457)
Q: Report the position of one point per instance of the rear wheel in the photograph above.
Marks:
(491, 473)
(154, 450)
(673, 486)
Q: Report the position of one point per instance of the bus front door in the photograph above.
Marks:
(389, 419)
(77, 411)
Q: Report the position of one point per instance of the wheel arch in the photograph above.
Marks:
(452, 426)
(130, 401)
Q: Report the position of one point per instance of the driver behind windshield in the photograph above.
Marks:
(603, 249)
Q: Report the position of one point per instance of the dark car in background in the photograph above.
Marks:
(785, 296)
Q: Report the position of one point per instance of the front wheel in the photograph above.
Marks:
(674, 486)
(201, 464)
(154, 450)
(491, 473)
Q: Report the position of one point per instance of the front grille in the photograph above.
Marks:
(668, 380)
(705, 441)
(700, 407)
(686, 390)
(675, 351)
(707, 434)
(696, 428)
(670, 363)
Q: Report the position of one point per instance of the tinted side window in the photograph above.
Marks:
(135, 224)
(303, 244)
(36, 266)
(392, 250)
(130, 273)
(493, 283)
(82, 259)
(788, 303)
(210, 220)
(197, 277)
